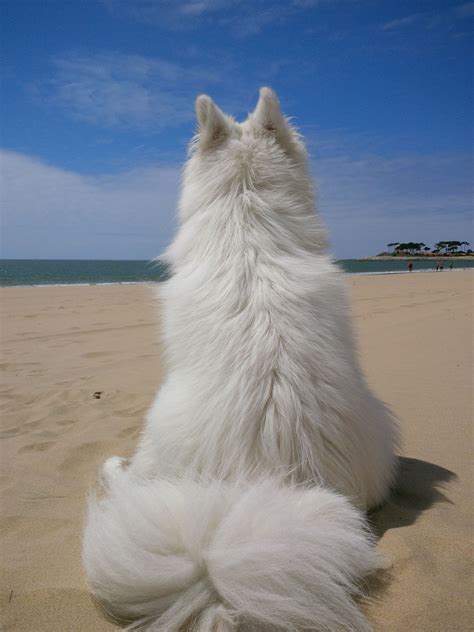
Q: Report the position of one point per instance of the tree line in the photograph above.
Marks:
(419, 248)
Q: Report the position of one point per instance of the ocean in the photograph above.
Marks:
(14, 272)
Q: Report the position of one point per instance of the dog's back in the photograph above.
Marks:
(262, 370)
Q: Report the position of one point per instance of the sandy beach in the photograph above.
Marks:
(62, 345)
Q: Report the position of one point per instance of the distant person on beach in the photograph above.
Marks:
(410, 266)
(451, 266)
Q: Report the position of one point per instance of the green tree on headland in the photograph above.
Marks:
(410, 247)
(449, 246)
(415, 248)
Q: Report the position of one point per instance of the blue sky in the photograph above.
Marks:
(98, 106)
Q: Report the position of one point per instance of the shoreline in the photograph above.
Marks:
(101, 283)
(109, 283)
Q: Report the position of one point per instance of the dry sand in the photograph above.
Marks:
(62, 344)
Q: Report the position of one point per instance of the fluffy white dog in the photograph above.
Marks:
(242, 509)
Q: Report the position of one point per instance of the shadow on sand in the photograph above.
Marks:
(419, 486)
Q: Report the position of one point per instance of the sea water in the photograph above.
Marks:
(91, 272)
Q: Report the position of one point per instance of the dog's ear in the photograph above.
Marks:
(269, 119)
(213, 125)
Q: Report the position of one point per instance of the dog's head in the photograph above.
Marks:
(245, 182)
(230, 159)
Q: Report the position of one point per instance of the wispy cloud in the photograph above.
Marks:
(146, 94)
(128, 91)
(306, 4)
(243, 18)
(199, 7)
(465, 10)
(251, 21)
(173, 14)
(432, 19)
(401, 22)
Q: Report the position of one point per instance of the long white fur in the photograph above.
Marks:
(241, 510)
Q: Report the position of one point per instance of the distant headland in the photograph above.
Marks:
(419, 250)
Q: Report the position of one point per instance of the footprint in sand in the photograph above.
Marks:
(97, 354)
(129, 433)
(65, 383)
(5, 483)
(8, 393)
(46, 434)
(36, 447)
(17, 365)
(61, 410)
(28, 530)
(66, 422)
(19, 430)
(132, 412)
(84, 458)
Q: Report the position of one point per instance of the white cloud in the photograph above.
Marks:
(127, 91)
(367, 202)
(401, 22)
(48, 212)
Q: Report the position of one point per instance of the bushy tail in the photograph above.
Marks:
(220, 557)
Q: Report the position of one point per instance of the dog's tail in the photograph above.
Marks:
(226, 557)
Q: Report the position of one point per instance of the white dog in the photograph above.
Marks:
(242, 509)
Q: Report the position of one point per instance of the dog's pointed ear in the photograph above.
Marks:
(213, 125)
(268, 118)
